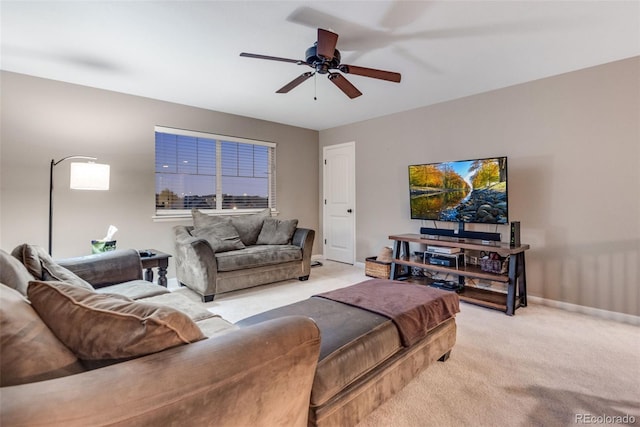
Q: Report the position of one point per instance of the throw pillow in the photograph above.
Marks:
(201, 220)
(28, 256)
(29, 351)
(40, 264)
(249, 226)
(13, 273)
(277, 231)
(222, 237)
(103, 326)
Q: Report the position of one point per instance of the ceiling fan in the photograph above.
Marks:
(324, 58)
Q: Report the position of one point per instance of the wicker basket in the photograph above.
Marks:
(377, 269)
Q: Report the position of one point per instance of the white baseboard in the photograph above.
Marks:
(591, 311)
(321, 258)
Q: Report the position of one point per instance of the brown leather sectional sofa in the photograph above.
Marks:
(278, 368)
(254, 376)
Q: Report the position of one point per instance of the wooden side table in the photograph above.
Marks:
(158, 260)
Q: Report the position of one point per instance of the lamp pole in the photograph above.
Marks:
(53, 164)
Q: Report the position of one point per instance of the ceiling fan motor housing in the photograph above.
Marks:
(322, 65)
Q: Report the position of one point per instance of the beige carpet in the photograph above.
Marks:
(542, 367)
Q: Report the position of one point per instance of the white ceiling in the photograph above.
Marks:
(188, 51)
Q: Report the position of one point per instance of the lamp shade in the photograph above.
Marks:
(89, 176)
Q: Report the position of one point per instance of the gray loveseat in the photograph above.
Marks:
(227, 376)
(223, 254)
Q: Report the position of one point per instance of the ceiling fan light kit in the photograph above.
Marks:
(323, 57)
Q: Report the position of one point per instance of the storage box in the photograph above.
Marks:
(377, 269)
(494, 264)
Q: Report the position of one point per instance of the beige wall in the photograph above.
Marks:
(573, 143)
(44, 120)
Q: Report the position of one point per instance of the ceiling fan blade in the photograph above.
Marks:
(295, 82)
(345, 85)
(371, 72)
(326, 43)
(402, 14)
(272, 58)
(314, 18)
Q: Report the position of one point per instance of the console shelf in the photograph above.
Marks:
(515, 278)
(467, 271)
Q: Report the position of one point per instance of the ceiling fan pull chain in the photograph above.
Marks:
(315, 86)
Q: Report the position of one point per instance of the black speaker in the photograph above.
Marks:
(462, 234)
(439, 232)
(480, 235)
(514, 241)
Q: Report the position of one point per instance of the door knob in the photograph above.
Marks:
(349, 211)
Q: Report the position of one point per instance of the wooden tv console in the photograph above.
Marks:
(515, 278)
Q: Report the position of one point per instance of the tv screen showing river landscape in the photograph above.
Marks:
(461, 191)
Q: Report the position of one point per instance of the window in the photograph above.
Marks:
(214, 172)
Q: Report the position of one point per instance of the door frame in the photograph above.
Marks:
(352, 180)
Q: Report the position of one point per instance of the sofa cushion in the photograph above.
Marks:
(29, 351)
(215, 326)
(99, 326)
(13, 273)
(175, 300)
(277, 231)
(258, 256)
(201, 219)
(134, 289)
(222, 237)
(106, 268)
(28, 256)
(43, 267)
(249, 226)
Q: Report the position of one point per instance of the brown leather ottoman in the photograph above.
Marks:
(362, 360)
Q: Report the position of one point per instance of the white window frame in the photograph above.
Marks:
(182, 213)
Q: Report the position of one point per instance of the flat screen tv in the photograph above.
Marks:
(465, 191)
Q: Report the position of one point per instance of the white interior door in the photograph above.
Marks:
(339, 200)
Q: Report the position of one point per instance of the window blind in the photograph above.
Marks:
(208, 171)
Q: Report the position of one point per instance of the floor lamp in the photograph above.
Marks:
(83, 176)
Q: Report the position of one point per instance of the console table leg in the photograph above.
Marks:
(511, 287)
(162, 276)
(159, 260)
(394, 265)
(523, 281)
(148, 275)
(407, 254)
